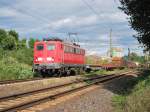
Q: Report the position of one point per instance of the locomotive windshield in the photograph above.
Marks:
(50, 47)
(39, 47)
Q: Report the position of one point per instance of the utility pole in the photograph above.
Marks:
(110, 43)
(69, 34)
(129, 54)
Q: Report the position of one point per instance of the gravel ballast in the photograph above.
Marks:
(98, 100)
(23, 87)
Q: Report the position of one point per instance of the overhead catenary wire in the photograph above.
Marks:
(33, 15)
(96, 12)
(25, 12)
(45, 20)
(91, 8)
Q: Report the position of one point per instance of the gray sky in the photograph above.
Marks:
(91, 19)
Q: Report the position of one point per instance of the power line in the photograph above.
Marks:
(90, 7)
(33, 15)
(40, 18)
(37, 17)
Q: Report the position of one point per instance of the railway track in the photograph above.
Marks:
(21, 101)
(4, 82)
(19, 81)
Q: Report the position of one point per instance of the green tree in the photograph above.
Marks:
(22, 44)
(9, 43)
(139, 19)
(31, 42)
(14, 34)
(3, 34)
(135, 57)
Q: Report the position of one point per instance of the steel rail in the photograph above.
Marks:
(3, 82)
(20, 80)
(35, 101)
(49, 88)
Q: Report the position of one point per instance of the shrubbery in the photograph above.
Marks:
(24, 55)
(138, 100)
(10, 68)
(15, 57)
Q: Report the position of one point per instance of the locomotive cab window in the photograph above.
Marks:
(50, 47)
(61, 46)
(40, 47)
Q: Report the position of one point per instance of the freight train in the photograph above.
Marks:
(54, 56)
(115, 63)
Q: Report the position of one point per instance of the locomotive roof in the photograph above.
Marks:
(52, 39)
(60, 40)
(70, 43)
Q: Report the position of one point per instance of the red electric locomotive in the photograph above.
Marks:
(54, 56)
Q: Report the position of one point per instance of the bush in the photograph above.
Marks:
(15, 58)
(3, 34)
(9, 43)
(23, 55)
(14, 34)
(11, 69)
(31, 43)
(22, 44)
(137, 101)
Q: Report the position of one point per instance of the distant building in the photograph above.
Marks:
(117, 52)
(93, 59)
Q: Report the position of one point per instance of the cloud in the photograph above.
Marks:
(7, 12)
(45, 18)
(115, 17)
(74, 22)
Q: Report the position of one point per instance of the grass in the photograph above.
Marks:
(15, 65)
(22, 55)
(11, 69)
(104, 72)
(136, 99)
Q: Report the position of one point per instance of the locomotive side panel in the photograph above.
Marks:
(51, 56)
(73, 55)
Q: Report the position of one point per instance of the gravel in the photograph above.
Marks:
(98, 100)
(94, 101)
(23, 87)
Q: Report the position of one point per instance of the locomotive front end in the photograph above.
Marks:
(45, 56)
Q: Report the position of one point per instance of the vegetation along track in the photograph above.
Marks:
(21, 101)
(3, 82)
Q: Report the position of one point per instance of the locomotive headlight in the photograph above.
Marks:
(39, 59)
(50, 59)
